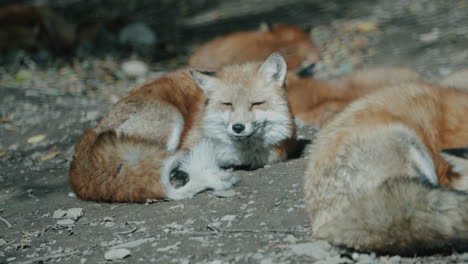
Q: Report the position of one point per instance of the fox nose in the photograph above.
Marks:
(238, 128)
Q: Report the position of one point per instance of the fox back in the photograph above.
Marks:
(249, 46)
(317, 101)
(376, 180)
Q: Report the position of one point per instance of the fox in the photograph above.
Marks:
(316, 101)
(378, 178)
(173, 137)
(294, 43)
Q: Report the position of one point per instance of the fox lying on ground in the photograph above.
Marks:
(249, 46)
(169, 138)
(317, 101)
(376, 179)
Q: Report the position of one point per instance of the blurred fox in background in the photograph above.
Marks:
(293, 42)
(317, 101)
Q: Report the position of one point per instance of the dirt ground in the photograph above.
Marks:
(44, 111)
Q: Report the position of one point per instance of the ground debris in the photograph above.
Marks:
(133, 244)
(59, 213)
(56, 256)
(116, 254)
(74, 213)
(65, 222)
(6, 222)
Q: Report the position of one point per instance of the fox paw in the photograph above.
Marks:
(225, 181)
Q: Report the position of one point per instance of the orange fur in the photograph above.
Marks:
(98, 170)
(248, 46)
(169, 138)
(317, 101)
(367, 181)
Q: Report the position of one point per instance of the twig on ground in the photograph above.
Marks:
(126, 232)
(243, 231)
(46, 258)
(6, 222)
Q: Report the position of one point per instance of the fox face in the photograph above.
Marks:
(247, 110)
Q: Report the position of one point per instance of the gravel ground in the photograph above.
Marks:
(44, 111)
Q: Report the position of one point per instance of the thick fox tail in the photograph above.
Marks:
(404, 216)
(107, 167)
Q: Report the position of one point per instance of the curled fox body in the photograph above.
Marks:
(169, 138)
(248, 46)
(376, 179)
(317, 101)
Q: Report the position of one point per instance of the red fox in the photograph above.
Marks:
(248, 46)
(376, 180)
(317, 101)
(170, 137)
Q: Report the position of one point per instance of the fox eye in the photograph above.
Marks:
(227, 103)
(258, 103)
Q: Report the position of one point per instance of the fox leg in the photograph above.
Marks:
(200, 166)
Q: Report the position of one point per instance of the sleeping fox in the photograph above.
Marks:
(247, 46)
(377, 180)
(317, 101)
(170, 137)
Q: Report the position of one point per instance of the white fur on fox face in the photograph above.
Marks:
(275, 125)
(269, 126)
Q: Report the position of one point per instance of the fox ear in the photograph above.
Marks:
(206, 80)
(274, 68)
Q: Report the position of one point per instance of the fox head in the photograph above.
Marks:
(247, 102)
(295, 44)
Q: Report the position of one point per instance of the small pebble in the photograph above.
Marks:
(228, 218)
(65, 222)
(108, 219)
(134, 68)
(74, 213)
(116, 254)
(395, 259)
(59, 213)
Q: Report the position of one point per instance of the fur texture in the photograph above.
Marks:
(169, 138)
(250, 46)
(376, 180)
(317, 101)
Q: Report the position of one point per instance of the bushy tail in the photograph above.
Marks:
(403, 216)
(107, 167)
